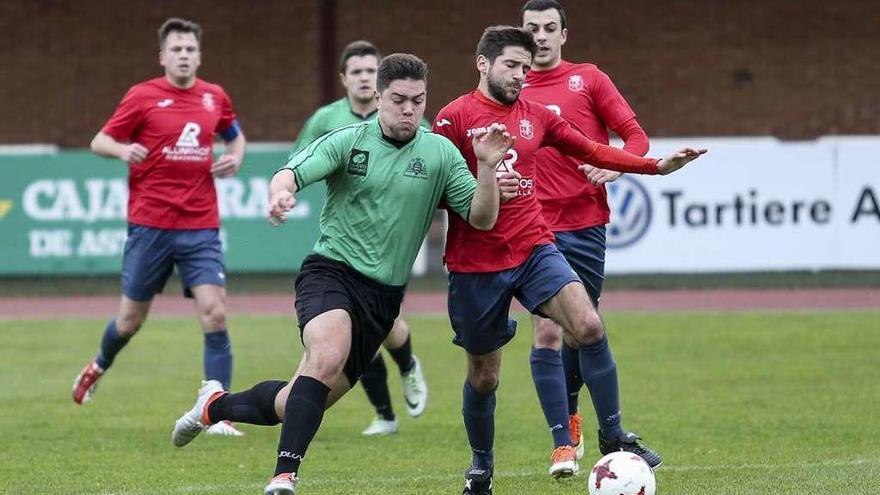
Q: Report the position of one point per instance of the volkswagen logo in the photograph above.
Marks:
(630, 212)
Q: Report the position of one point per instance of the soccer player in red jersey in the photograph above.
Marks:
(164, 128)
(576, 207)
(517, 258)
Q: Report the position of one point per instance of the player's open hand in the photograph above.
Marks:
(225, 166)
(492, 143)
(280, 203)
(674, 161)
(508, 185)
(599, 176)
(134, 153)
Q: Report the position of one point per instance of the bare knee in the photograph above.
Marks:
(483, 375)
(587, 329)
(128, 322)
(548, 335)
(324, 365)
(213, 316)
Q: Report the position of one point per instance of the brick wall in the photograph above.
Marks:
(793, 69)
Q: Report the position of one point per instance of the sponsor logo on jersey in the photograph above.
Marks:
(555, 109)
(576, 83)
(443, 122)
(164, 103)
(525, 129)
(472, 131)
(187, 148)
(416, 169)
(358, 161)
(208, 101)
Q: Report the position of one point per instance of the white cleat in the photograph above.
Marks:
(283, 484)
(415, 390)
(381, 426)
(188, 426)
(224, 429)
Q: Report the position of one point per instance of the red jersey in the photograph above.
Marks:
(520, 226)
(586, 98)
(173, 187)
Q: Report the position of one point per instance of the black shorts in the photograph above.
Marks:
(324, 284)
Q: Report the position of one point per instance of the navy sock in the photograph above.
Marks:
(218, 357)
(571, 365)
(550, 385)
(375, 382)
(303, 413)
(111, 344)
(255, 406)
(403, 356)
(479, 421)
(600, 375)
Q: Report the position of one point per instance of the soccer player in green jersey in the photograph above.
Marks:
(385, 177)
(358, 65)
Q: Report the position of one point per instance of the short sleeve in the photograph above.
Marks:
(227, 113)
(460, 183)
(320, 158)
(126, 118)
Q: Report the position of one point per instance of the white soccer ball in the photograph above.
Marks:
(622, 473)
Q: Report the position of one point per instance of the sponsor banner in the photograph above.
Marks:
(751, 204)
(65, 214)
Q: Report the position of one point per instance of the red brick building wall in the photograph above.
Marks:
(793, 69)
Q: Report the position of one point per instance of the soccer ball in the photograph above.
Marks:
(621, 473)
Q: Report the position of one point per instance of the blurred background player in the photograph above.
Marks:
(385, 178)
(517, 258)
(576, 207)
(358, 65)
(164, 129)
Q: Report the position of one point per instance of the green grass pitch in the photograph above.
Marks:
(767, 403)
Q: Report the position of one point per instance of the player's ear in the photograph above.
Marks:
(342, 78)
(564, 35)
(483, 64)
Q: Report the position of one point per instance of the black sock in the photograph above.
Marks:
(255, 406)
(302, 417)
(375, 382)
(403, 356)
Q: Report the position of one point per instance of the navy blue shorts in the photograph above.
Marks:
(150, 255)
(479, 303)
(585, 251)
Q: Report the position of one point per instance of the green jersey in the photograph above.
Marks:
(331, 117)
(381, 198)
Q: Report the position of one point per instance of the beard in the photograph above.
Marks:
(496, 89)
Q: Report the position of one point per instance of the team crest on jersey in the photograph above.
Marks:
(357, 162)
(208, 101)
(416, 169)
(525, 129)
(576, 83)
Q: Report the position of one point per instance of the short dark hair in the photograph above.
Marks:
(400, 66)
(359, 48)
(542, 5)
(496, 38)
(176, 24)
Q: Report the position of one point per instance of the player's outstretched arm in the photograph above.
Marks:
(281, 199)
(104, 145)
(676, 160)
(490, 146)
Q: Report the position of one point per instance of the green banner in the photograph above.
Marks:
(65, 214)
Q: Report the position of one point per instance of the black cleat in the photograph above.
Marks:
(629, 442)
(477, 482)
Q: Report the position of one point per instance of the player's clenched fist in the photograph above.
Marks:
(492, 143)
(134, 153)
(279, 204)
(508, 185)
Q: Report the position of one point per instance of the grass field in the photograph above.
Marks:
(766, 403)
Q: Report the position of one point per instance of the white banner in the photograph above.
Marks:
(751, 204)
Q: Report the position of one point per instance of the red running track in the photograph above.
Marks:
(425, 302)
